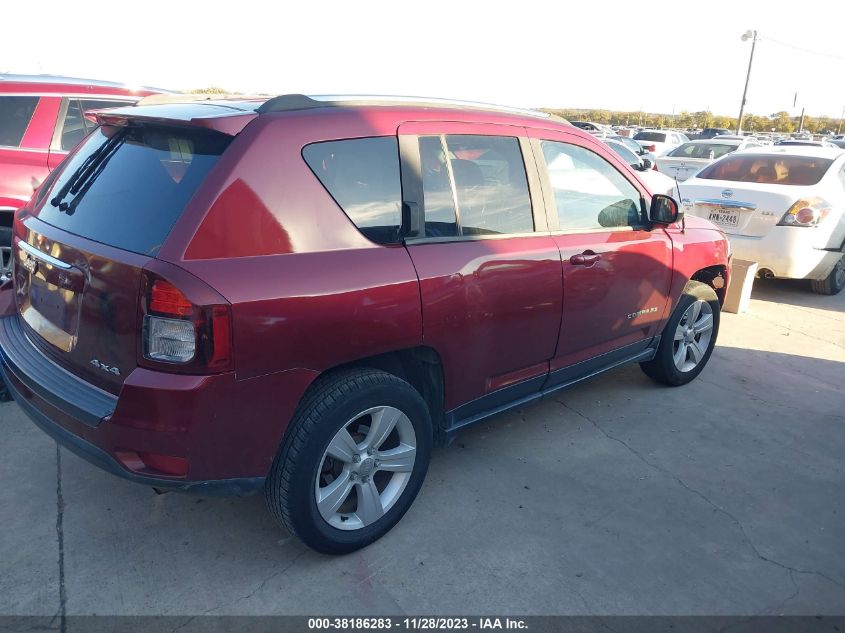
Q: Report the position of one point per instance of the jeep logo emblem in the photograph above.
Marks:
(29, 264)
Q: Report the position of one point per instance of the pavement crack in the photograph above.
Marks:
(704, 498)
(60, 538)
(778, 606)
(260, 586)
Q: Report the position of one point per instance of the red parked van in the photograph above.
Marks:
(41, 120)
(301, 296)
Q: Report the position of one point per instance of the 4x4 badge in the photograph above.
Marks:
(104, 367)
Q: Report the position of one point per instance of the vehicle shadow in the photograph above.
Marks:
(597, 477)
(795, 292)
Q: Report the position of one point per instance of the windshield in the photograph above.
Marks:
(654, 137)
(627, 155)
(774, 170)
(126, 187)
(702, 150)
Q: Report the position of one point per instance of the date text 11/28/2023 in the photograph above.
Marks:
(416, 623)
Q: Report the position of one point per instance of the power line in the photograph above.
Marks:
(804, 50)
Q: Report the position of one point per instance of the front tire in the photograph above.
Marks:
(352, 461)
(833, 283)
(688, 338)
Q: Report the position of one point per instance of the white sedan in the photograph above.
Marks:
(782, 207)
(684, 161)
(653, 179)
(659, 142)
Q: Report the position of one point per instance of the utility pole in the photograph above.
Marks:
(801, 122)
(752, 35)
(841, 116)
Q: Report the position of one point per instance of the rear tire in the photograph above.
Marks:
(833, 283)
(688, 338)
(341, 413)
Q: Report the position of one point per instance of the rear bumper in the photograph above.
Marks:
(89, 452)
(227, 431)
(787, 251)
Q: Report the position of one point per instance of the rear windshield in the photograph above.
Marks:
(702, 150)
(654, 137)
(773, 170)
(126, 187)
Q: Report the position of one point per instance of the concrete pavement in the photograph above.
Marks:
(723, 497)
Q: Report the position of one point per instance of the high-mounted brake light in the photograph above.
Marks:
(806, 212)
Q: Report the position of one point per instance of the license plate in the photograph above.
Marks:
(728, 218)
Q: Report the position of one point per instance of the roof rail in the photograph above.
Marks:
(292, 102)
(75, 81)
(162, 99)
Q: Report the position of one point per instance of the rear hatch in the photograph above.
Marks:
(80, 249)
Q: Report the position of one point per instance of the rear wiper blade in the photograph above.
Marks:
(83, 184)
(85, 169)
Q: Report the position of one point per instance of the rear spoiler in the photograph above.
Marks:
(204, 111)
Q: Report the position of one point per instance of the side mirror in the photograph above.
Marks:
(664, 210)
(647, 164)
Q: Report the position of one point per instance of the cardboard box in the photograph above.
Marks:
(739, 292)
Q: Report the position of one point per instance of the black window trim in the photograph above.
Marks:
(412, 191)
(551, 205)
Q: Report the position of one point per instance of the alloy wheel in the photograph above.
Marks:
(365, 468)
(693, 335)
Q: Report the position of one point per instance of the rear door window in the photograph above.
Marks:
(73, 126)
(490, 185)
(474, 185)
(15, 115)
(362, 175)
(126, 187)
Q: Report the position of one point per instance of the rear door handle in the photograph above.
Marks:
(587, 258)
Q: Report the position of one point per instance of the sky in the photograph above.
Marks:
(654, 55)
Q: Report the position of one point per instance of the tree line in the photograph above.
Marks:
(781, 122)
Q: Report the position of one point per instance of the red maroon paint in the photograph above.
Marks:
(301, 291)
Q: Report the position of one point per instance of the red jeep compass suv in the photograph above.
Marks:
(301, 296)
(41, 120)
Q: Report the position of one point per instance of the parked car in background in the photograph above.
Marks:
(803, 143)
(838, 142)
(684, 161)
(298, 296)
(712, 132)
(596, 129)
(654, 180)
(659, 142)
(783, 207)
(41, 120)
(632, 145)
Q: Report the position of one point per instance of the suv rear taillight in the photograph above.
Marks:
(650, 148)
(806, 212)
(178, 335)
